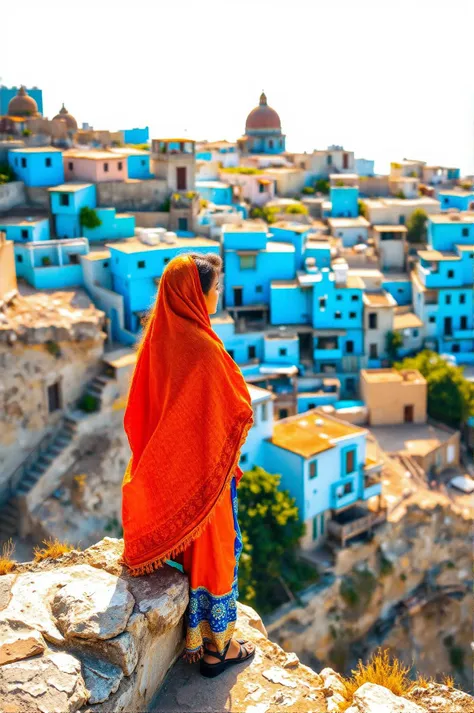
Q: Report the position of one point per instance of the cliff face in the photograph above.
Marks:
(78, 634)
(409, 589)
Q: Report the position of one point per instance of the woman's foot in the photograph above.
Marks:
(232, 651)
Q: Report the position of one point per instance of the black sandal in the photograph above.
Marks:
(210, 670)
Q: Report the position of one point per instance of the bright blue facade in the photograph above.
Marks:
(114, 226)
(21, 230)
(136, 136)
(66, 203)
(215, 192)
(252, 450)
(51, 265)
(344, 201)
(451, 199)
(400, 289)
(7, 94)
(138, 166)
(37, 167)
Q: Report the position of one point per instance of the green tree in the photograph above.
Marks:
(416, 226)
(269, 518)
(362, 208)
(296, 209)
(88, 218)
(393, 341)
(322, 185)
(308, 190)
(450, 395)
(7, 174)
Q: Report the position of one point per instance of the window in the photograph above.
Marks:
(105, 264)
(372, 320)
(48, 163)
(432, 319)
(244, 458)
(455, 348)
(264, 414)
(347, 488)
(73, 258)
(339, 298)
(182, 224)
(337, 315)
(248, 262)
(311, 405)
(465, 232)
(321, 523)
(322, 303)
(64, 199)
(252, 352)
(401, 220)
(70, 166)
(19, 258)
(350, 347)
(373, 351)
(450, 273)
(463, 322)
(350, 461)
(355, 298)
(270, 143)
(141, 263)
(23, 162)
(462, 299)
(143, 162)
(282, 351)
(329, 160)
(345, 160)
(261, 188)
(24, 233)
(283, 413)
(120, 165)
(448, 299)
(350, 385)
(258, 288)
(167, 259)
(313, 469)
(106, 167)
(352, 315)
(230, 352)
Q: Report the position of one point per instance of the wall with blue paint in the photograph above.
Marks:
(445, 235)
(215, 192)
(66, 207)
(138, 166)
(22, 232)
(114, 226)
(282, 350)
(344, 201)
(267, 143)
(456, 200)
(136, 136)
(295, 237)
(290, 305)
(244, 239)
(37, 168)
(252, 452)
(290, 466)
(32, 264)
(401, 290)
(255, 283)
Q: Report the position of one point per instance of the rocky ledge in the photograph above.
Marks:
(79, 634)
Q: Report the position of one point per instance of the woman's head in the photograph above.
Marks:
(209, 267)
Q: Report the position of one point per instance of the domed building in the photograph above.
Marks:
(68, 118)
(23, 105)
(262, 131)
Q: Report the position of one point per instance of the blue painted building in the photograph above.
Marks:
(215, 191)
(136, 136)
(400, 287)
(443, 286)
(462, 200)
(136, 269)
(252, 452)
(31, 229)
(138, 162)
(344, 201)
(66, 202)
(54, 264)
(42, 166)
(323, 463)
(7, 94)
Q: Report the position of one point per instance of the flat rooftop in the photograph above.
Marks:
(97, 255)
(437, 255)
(38, 149)
(410, 438)
(310, 433)
(292, 226)
(387, 376)
(389, 228)
(23, 221)
(258, 394)
(409, 320)
(133, 245)
(359, 222)
(464, 217)
(378, 299)
(94, 155)
(71, 187)
(248, 226)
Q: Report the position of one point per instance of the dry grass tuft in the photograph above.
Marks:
(380, 670)
(53, 550)
(6, 562)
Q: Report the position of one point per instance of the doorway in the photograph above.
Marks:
(408, 413)
(238, 296)
(181, 178)
(54, 397)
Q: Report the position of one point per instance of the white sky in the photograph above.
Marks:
(385, 79)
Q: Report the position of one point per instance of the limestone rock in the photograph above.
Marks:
(18, 641)
(93, 604)
(6, 582)
(101, 677)
(370, 698)
(253, 618)
(437, 698)
(121, 650)
(161, 596)
(52, 683)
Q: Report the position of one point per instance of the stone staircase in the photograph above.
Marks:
(31, 470)
(96, 388)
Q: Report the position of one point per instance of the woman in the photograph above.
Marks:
(187, 417)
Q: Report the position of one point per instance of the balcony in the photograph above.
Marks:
(339, 498)
(372, 486)
(354, 522)
(329, 354)
(463, 333)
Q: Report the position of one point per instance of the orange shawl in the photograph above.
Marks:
(187, 417)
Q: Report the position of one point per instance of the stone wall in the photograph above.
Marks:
(132, 195)
(95, 640)
(12, 194)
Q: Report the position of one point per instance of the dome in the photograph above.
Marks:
(70, 120)
(262, 117)
(22, 104)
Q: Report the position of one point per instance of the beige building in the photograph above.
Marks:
(174, 161)
(396, 211)
(320, 164)
(288, 181)
(393, 397)
(378, 320)
(411, 329)
(8, 286)
(390, 245)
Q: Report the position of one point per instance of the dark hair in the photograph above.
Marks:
(208, 265)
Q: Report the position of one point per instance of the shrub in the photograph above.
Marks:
(26, 132)
(386, 567)
(400, 194)
(165, 206)
(52, 550)
(308, 190)
(88, 218)
(339, 183)
(322, 186)
(379, 670)
(89, 403)
(416, 226)
(6, 561)
(53, 348)
(362, 209)
(296, 209)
